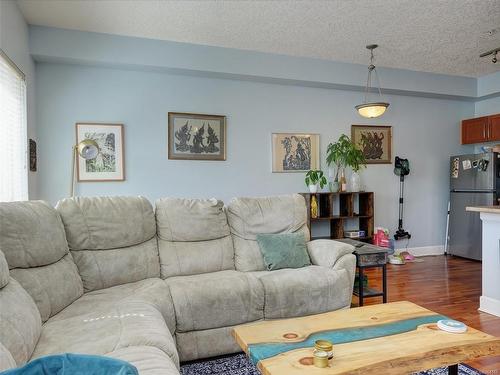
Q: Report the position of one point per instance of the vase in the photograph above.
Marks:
(334, 186)
(356, 181)
(313, 188)
(342, 180)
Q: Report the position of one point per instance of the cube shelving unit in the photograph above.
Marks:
(341, 210)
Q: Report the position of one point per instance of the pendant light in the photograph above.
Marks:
(372, 109)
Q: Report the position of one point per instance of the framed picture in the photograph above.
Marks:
(374, 141)
(193, 136)
(295, 152)
(108, 165)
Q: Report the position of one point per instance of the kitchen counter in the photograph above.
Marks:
(490, 295)
(489, 209)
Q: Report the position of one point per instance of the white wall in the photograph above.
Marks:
(425, 130)
(14, 41)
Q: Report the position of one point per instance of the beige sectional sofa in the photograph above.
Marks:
(111, 276)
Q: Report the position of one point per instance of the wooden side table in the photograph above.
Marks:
(369, 256)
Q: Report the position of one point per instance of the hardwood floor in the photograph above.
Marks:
(448, 285)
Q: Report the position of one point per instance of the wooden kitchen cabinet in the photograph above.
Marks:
(495, 128)
(481, 129)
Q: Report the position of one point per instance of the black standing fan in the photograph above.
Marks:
(401, 169)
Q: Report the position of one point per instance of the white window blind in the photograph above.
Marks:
(13, 133)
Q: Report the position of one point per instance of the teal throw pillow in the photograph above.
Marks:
(286, 250)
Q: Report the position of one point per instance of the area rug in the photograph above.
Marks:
(238, 364)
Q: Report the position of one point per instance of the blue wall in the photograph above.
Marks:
(425, 130)
(14, 41)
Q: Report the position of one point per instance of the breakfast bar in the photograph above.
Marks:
(490, 297)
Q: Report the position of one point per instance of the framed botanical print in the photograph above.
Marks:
(193, 136)
(374, 141)
(295, 152)
(108, 165)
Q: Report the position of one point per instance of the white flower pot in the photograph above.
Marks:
(313, 188)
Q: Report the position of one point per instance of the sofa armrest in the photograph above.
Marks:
(326, 252)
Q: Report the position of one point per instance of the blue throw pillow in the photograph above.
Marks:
(286, 250)
(74, 364)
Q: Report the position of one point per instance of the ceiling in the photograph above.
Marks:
(441, 36)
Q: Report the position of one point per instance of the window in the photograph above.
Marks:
(13, 133)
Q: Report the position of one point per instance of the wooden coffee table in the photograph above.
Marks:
(393, 338)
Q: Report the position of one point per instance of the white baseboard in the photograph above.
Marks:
(489, 305)
(423, 251)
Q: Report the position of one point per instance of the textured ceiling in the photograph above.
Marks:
(442, 36)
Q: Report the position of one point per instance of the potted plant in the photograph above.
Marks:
(342, 154)
(313, 178)
(356, 160)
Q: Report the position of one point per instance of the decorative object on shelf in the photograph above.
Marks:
(372, 109)
(194, 136)
(334, 186)
(315, 178)
(314, 208)
(33, 156)
(343, 180)
(295, 152)
(374, 142)
(342, 154)
(106, 163)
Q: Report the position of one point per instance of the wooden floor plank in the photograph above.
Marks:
(450, 286)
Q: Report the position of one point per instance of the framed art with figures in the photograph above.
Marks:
(374, 141)
(295, 152)
(194, 136)
(109, 164)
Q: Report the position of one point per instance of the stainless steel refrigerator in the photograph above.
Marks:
(474, 181)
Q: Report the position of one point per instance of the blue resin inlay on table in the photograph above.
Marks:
(258, 352)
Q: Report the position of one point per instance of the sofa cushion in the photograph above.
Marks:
(4, 271)
(284, 250)
(20, 322)
(147, 360)
(153, 292)
(217, 299)
(112, 239)
(248, 217)
(127, 323)
(39, 259)
(206, 344)
(105, 268)
(193, 237)
(305, 291)
(188, 220)
(31, 234)
(6, 360)
(52, 287)
(100, 223)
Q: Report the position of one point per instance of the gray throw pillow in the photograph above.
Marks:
(287, 250)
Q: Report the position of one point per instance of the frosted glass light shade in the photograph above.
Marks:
(372, 110)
